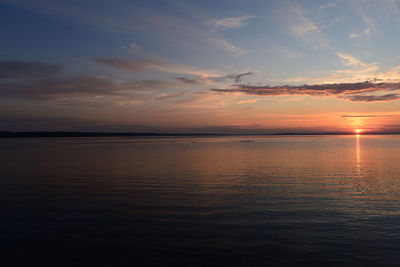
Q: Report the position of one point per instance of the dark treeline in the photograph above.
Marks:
(93, 134)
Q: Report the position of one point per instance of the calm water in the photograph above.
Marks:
(223, 201)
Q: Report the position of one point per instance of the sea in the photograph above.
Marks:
(200, 201)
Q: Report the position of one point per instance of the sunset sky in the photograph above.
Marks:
(233, 66)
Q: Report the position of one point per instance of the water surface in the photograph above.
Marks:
(218, 201)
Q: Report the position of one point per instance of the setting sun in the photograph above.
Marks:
(358, 131)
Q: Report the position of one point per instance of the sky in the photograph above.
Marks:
(226, 66)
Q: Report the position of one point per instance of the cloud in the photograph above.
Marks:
(147, 62)
(365, 18)
(46, 82)
(356, 71)
(12, 69)
(373, 98)
(328, 5)
(366, 32)
(247, 101)
(288, 53)
(168, 96)
(227, 46)
(375, 85)
(231, 23)
(59, 87)
(238, 77)
(84, 86)
(187, 80)
(133, 17)
(367, 116)
(154, 64)
(349, 60)
(302, 27)
(355, 92)
(134, 65)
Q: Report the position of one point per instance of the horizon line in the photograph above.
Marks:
(8, 134)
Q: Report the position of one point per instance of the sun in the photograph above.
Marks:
(358, 131)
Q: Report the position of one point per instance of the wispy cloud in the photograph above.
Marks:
(145, 61)
(363, 10)
(349, 60)
(247, 101)
(231, 23)
(328, 5)
(367, 32)
(302, 27)
(288, 53)
(365, 18)
(168, 96)
(158, 65)
(134, 18)
(227, 46)
(359, 70)
(354, 70)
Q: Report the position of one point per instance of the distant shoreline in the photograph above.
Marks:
(6, 134)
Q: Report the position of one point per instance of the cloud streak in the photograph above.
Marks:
(372, 98)
(238, 77)
(303, 28)
(355, 92)
(42, 81)
(13, 69)
(231, 23)
(367, 116)
(147, 62)
(227, 46)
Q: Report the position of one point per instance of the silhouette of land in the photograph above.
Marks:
(7, 134)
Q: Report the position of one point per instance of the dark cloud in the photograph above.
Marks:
(239, 76)
(132, 65)
(83, 86)
(367, 116)
(168, 96)
(372, 98)
(12, 69)
(187, 80)
(235, 77)
(59, 87)
(350, 91)
(47, 82)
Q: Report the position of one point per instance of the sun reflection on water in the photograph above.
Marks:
(358, 154)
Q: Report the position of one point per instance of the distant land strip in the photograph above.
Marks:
(7, 134)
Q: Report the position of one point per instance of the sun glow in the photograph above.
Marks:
(358, 131)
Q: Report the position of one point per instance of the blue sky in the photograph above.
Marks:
(178, 65)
